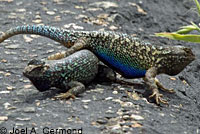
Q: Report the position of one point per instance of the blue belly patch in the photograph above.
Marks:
(126, 70)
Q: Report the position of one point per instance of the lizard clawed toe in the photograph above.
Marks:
(171, 90)
(66, 95)
(158, 97)
(162, 87)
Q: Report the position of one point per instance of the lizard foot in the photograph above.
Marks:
(158, 97)
(162, 87)
(66, 95)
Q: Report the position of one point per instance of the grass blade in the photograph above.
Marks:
(175, 36)
(198, 6)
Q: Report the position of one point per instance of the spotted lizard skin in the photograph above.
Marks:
(80, 67)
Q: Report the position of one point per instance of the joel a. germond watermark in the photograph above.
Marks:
(45, 130)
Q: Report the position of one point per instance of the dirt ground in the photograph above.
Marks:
(106, 107)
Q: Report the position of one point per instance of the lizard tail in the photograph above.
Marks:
(53, 33)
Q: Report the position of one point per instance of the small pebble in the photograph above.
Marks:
(102, 121)
(109, 98)
(115, 92)
(29, 110)
(86, 101)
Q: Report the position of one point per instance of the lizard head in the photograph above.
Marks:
(36, 72)
(173, 59)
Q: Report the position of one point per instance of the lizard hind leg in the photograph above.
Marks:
(78, 45)
(76, 88)
(57, 56)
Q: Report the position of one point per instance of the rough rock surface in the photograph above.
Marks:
(105, 107)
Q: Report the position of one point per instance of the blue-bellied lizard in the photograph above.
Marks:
(70, 73)
(129, 56)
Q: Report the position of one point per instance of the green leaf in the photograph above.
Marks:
(187, 29)
(189, 37)
(195, 26)
(184, 31)
(198, 6)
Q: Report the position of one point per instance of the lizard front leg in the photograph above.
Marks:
(78, 45)
(152, 84)
(76, 88)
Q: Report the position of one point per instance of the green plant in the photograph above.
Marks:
(183, 32)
